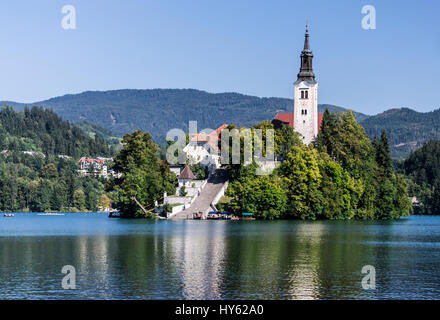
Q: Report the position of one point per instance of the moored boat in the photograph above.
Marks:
(114, 214)
(197, 215)
(247, 216)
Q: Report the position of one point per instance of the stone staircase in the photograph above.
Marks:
(203, 202)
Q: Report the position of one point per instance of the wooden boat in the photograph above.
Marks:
(198, 215)
(213, 216)
(226, 215)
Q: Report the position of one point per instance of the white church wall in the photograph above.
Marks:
(306, 124)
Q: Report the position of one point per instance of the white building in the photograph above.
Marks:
(93, 167)
(186, 193)
(203, 149)
(305, 118)
(186, 177)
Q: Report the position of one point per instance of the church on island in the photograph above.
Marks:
(305, 118)
(199, 196)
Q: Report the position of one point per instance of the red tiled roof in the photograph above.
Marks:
(88, 160)
(289, 117)
(203, 137)
(211, 139)
(286, 118)
(187, 174)
(320, 115)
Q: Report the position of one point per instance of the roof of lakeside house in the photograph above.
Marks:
(89, 160)
(187, 174)
(288, 118)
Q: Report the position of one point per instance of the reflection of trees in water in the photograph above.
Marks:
(227, 260)
(275, 260)
(33, 266)
(296, 260)
(343, 252)
(181, 261)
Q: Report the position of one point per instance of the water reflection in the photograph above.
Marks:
(198, 255)
(121, 259)
(303, 267)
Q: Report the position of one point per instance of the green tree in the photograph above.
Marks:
(79, 199)
(383, 156)
(263, 196)
(105, 202)
(91, 197)
(49, 171)
(300, 171)
(338, 190)
(144, 176)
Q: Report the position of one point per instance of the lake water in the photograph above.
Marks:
(141, 259)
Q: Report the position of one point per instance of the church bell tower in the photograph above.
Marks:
(306, 97)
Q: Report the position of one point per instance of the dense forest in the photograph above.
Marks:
(407, 129)
(95, 130)
(42, 130)
(344, 175)
(39, 154)
(159, 110)
(39, 162)
(422, 167)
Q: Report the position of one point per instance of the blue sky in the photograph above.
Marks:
(246, 46)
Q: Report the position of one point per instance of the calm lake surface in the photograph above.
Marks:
(139, 259)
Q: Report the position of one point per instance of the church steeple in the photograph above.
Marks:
(306, 70)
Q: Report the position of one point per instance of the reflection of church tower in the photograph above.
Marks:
(306, 97)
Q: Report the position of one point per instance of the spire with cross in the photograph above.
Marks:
(306, 70)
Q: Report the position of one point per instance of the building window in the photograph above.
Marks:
(304, 94)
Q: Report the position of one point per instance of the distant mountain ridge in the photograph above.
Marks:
(159, 110)
(407, 129)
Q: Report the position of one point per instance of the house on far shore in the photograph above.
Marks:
(95, 167)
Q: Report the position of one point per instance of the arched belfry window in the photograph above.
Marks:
(304, 94)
